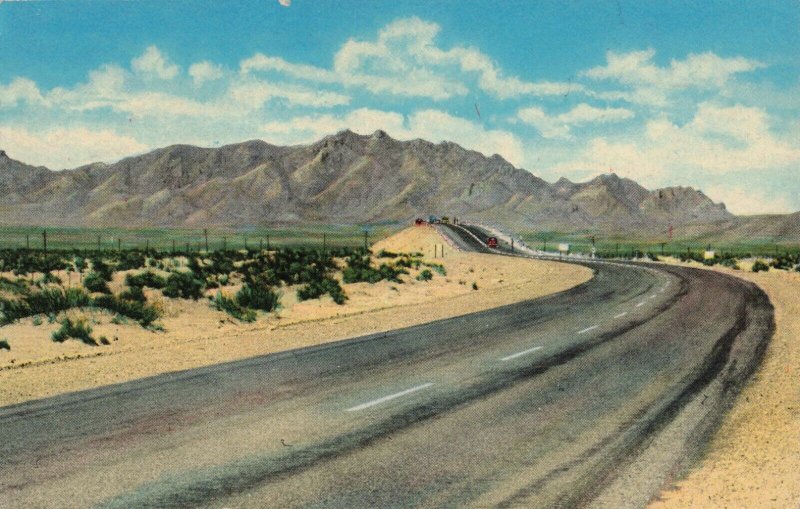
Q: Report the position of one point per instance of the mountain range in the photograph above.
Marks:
(349, 178)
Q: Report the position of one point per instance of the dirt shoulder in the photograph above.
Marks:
(754, 458)
(195, 334)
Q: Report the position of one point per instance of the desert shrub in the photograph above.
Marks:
(37, 320)
(785, 262)
(147, 278)
(232, 307)
(104, 340)
(95, 283)
(134, 293)
(135, 310)
(184, 285)
(17, 287)
(760, 266)
(386, 254)
(129, 260)
(731, 263)
(45, 301)
(257, 296)
(438, 268)
(317, 289)
(49, 278)
(102, 269)
(474, 286)
(77, 329)
(359, 270)
(4, 345)
(425, 275)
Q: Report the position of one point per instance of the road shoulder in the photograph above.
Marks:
(754, 457)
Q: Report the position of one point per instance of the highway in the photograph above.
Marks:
(592, 397)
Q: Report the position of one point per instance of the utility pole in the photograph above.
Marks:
(173, 247)
(512, 245)
(245, 243)
(662, 248)
(119, 244)
(147, 245)
(268, 243)
(27, 241)
(260, 244)
(98, 242)
(44, 241)
(224, 243)
(205, 234)
(366, 241)
(617, 249)
(324, 240)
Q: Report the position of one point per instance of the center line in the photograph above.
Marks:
(587, 329)
(389, 397)
(621, 314)
(640, 304)
(520, 354)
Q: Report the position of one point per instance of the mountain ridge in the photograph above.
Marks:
(342, 178)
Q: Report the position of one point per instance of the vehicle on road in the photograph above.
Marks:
(491, 242)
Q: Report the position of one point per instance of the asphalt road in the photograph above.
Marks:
(593, 396)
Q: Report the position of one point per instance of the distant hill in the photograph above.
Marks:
(344, 178)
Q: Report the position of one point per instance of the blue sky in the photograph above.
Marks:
(705, 94)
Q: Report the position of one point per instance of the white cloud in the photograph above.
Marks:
(405, 60)
(205, 71)
(747, 201)
(431, 125)
(67, 147)
(285, 3)
(252, 94)
(718, 140)
(652, 84)
(152, 64)
(20, 90)
(559, 126)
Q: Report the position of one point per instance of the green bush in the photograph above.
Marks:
(148, 278)
(317, 289)
(425, 275)
(77, 329)
(359, 270)
(731, 263)
(45, 301)
(184, 285)
(49, 278)
(95, 283)
(139, 311)
(37, 321)
(257, 296)
(4, 345)
(134, 293)
(438, 268)
(233, 308)
(760, 266)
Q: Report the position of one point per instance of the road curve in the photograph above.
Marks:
(592, 396)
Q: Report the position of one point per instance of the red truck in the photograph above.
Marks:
(491, 242)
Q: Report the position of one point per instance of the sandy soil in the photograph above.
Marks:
(195, 334)
(754, 459)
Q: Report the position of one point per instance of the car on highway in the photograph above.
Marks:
(491, 242)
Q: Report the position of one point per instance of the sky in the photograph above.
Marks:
(702, 94)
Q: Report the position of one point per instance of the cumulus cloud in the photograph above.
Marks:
(152, 64)
(717, 141)
(405, 60)
(747, 201)
(652, 84)
(559, 126)
(67, 147)
(431, 125)
(20, 90)
(205, 71)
